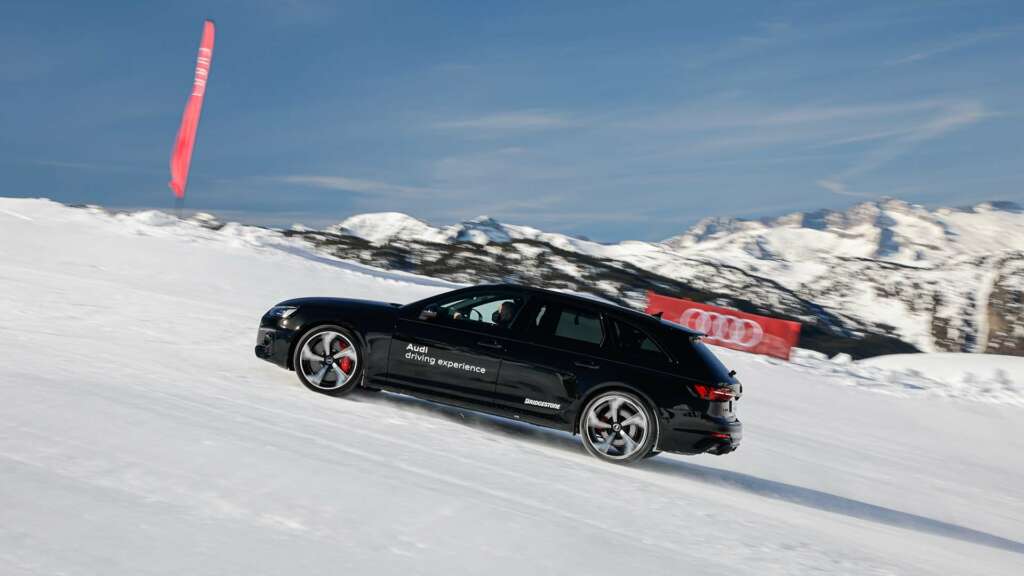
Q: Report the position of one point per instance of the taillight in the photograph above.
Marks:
(723, 394)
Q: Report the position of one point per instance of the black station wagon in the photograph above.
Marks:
(631, 385)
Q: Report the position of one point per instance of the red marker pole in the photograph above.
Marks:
(181, 154)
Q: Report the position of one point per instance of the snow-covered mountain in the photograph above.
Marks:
(889, 275)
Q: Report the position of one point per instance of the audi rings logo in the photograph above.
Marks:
(722, 327)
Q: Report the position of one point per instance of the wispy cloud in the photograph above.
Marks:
(721, 125)
(950, 117)
(953, 116)
(355, 185)
(820, 114)
(836, 187)
(508, 121)
(730, 117)
(90, 166)
(958, 43)
(766, 35)
(455, 67)
(868, 135)
(499, 171)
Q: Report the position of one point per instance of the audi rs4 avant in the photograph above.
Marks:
(631, 385)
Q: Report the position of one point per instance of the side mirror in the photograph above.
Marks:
(429, 312)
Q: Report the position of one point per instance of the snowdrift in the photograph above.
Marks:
(139, 434)
(971, 372)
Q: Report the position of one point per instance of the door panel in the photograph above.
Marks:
(558, 356)
(452, 346)
(541, 383)
(443, 360)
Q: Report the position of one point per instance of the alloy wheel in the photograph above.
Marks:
(328, 360)
(616, 426)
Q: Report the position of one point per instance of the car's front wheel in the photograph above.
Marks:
(327, 360)
(618, 427)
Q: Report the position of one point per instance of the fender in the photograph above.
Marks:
(304, 328)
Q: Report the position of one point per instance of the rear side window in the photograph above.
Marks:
(636, 345)
(569, 327)
(580, 326)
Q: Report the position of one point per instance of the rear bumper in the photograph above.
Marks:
(273, 344)
(700, 436)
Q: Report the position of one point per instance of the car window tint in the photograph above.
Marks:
(636, 344)
(492, 310)
(579, 325)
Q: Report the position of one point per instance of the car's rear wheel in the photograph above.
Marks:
(327, 360)
(618, 427)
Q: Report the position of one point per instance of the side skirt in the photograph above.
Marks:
(480, 407)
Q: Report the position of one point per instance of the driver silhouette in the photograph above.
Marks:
(503, 316)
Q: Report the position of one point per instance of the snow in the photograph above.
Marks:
(987, 378)
(379, 227)
(971, 371)
(139, 435)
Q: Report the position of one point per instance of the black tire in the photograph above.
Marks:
(604, 436)
(308, 366)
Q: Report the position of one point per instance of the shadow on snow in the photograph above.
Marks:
(799, 495)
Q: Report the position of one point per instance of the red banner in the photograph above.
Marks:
(181, 155)
(727, 327)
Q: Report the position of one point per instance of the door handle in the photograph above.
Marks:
(587, 364)
(492, 344)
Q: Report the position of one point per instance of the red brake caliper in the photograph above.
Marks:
(345, 364)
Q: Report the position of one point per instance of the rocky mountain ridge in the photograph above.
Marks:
(879, 277)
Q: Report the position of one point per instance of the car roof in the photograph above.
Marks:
(647, 319)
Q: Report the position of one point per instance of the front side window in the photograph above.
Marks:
(493, 310)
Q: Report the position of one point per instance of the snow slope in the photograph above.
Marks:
(139, 435)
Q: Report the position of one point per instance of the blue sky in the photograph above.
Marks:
(607, 119)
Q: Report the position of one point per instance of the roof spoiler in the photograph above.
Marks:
(693, 333)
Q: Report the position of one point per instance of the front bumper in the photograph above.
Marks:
(700, 435)
(273, 344)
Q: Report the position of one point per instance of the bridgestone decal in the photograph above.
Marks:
(533, 402)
